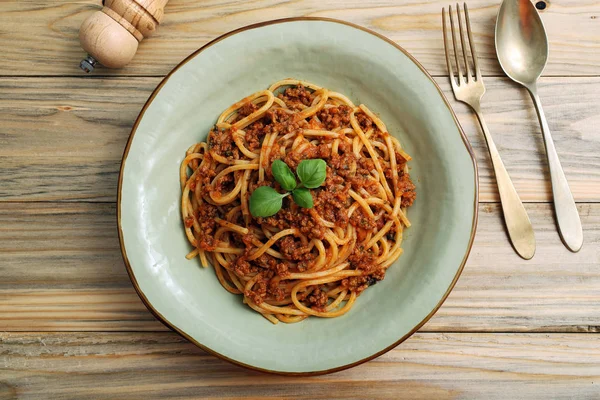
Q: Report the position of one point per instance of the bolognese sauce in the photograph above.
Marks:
(328, 253)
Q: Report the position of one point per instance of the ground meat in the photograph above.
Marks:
(303, 266)
(292, 159)
(400, 162)
(303, 295)
(237, 239)
(365, 166)
(341, 164)
(333, 180)
(206, 214)
(255, 135)
(387, 172)
(205, 173)
(407, 188)
(355, 283)
(309, 225)
(241, 266)
(344, 147)
(286, 127)
(332, 201)
(296, 217)
(364, 121)
(405, 184)
(224, 184)
(277, 115)
(282, 270)
(318, 299)
(360, 182)
(248, 239)
(295, 96)
(323, 151)
(273, 155)
(258, 292)
(275, 291)
(362, 259)
(358, 284)
(189, 221)
(335, 117)
(293, 250)
(379, 223)
(378, 274)
(332, 211)
(247, 109)
(266, 261)
(221, 142)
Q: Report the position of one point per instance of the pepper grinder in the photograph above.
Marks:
(111, 36)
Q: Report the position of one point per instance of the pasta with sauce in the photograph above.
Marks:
(299, 262)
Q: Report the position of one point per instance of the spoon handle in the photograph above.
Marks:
(517, 221)
(569, 224)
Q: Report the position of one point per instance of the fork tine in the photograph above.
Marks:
(455, 44)
(462, 42)
(472, 43)
(447, 49)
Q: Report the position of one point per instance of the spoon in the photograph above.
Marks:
(522, 49)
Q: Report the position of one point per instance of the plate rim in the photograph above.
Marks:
(207, 349)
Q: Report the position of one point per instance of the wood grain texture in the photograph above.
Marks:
(61, 269)
(63, 138)
(41, 37)
(426, 366)
(61, 272)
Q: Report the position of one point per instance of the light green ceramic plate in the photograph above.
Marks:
(368, 68)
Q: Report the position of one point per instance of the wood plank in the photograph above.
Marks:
(62, 138)
(41, 37)
(56, 275)
(59, 276)
(426, 366)
(555, 291)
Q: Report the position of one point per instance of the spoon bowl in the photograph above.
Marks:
(521, 42)
(522, 49)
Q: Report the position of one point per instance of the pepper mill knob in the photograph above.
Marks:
(111, 36)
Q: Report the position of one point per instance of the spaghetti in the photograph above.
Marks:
(299, 262)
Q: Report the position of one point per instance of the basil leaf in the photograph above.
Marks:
(265, 201)
(312, 173)
(284, 175)
(303, 198)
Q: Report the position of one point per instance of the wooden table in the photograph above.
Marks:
(71, 324)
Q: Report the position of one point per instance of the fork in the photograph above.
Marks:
(469, 89)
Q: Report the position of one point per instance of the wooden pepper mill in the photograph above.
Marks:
(111, 36)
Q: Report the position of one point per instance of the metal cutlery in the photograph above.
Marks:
(522, 49)
(469, 89)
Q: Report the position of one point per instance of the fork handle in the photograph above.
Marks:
(517, 221)
(567, 217)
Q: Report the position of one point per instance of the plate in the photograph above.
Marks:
(369, 69)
